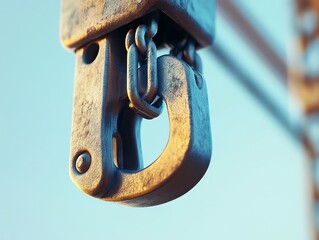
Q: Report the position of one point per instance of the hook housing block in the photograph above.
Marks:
(86, 20)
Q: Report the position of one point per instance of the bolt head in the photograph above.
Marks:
(83, 163)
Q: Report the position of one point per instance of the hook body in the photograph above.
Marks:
(105, 132)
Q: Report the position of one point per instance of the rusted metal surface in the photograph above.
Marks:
(115, 89)
(305, 85)
(83, 21)
(307, 93)
(107, 130)
(305, 80)
(187, 154)
(307, 20)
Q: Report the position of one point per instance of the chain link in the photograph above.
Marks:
(186, 50)
(144, 34)
(139, 43)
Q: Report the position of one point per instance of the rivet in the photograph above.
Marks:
(83, 162)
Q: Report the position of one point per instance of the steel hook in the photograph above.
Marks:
(104, 128)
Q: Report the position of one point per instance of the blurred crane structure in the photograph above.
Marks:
(300, 79)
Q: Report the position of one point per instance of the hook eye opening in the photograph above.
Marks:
(90, 53)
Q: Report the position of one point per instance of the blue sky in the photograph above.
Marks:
(253, 189)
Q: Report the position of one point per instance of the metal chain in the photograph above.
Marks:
(144, 34)
(186, 50)
(139, 44)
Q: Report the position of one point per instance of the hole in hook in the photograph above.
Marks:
(154, 137)
(137, 144)
(126, 141)
(90, 53)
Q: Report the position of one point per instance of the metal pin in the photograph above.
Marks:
(83, 163)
